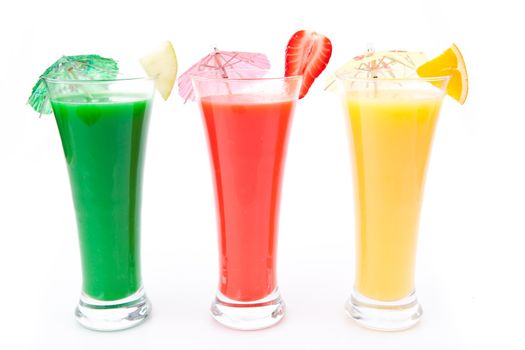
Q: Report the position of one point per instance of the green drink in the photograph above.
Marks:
(103, 127)
(104, 148)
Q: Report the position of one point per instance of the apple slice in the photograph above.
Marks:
(162, 66)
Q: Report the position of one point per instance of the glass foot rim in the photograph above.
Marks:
(390, 316)
(248, 316)
(115, 315)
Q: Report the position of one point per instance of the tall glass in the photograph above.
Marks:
(103, 127)
(247, 123)
(391, 124)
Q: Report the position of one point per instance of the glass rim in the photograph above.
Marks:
(96, 81)
(204, 78)
(347, 76)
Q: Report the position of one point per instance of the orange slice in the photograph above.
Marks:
(449, 63)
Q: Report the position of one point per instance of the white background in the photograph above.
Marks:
(470, 259)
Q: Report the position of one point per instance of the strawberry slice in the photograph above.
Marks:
(307, 54)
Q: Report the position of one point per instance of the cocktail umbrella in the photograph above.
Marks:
(81, 67)
(230, 64)
(380, 64)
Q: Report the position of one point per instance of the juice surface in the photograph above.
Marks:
(247, 141)
(104, 143)
(391, 134)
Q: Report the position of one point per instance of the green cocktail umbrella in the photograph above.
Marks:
(81, 67)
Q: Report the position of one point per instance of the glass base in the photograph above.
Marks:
(113, 315)
(247, 316)
(384, 315)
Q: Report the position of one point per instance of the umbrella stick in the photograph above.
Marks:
(221, 67)
(219, 64)
(372, 67)
(75, 77)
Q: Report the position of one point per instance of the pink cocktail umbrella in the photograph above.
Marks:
(230, 64)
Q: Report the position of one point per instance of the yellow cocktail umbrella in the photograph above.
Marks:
(383, 64)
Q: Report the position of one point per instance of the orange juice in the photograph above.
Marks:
(391, 134)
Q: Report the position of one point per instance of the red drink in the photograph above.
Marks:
(247, 123)
(247, 142)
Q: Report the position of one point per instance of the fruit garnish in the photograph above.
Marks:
(383, 64)
(161, 65)
(307, 54)
(80, 67)
(450, 63)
